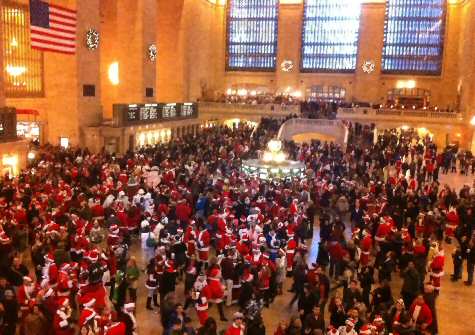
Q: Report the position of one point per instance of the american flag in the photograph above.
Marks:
(53, 28)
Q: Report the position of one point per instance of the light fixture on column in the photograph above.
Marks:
(114, 73)
(287, 65)
(152, 52)
(92, 39)
(368, 67)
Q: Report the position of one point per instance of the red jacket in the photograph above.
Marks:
(423, 316)
(235, 330)
(183, 211)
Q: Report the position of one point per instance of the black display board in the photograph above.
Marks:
(137, 114)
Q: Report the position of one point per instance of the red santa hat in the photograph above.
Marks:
(4, 239)
(89, 302)
(87, 315)
(93, 255)
(378, 318)
(27, 280)
(170, 266)
(129, 307)
(350, 322)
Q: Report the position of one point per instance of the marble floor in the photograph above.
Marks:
(455, 305)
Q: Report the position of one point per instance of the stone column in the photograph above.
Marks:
(289, 41)
(88, 66)
(2, 87)
(367, 86)
(128, 29)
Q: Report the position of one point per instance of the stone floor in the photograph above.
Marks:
(455, 305)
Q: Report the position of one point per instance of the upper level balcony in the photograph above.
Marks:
(430, 116)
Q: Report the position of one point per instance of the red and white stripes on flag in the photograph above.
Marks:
(53, 28)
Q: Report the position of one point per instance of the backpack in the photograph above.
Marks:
(150, 241)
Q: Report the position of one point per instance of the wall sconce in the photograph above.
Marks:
(114, 73)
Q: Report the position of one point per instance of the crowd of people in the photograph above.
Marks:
(69, 221)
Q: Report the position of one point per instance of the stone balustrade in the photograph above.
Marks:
(379, 114)
(228, 110)
(333, 128)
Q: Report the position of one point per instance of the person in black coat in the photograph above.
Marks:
(9, 309)
(314, 321)
(430, 297)
(167, 283)
(323, 257)
(366, 278)
(307, 301)
(337, 313)
(410, 286)
(382, 296)
(351, 295)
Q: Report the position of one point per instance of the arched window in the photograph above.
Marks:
(414, 36)
(330, 35)
(409, 97)
(251, 35)
(326, 93)
(23, 66)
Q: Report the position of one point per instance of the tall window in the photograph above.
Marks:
(414, 36)
(23, 66)
(330, 35)
(252, 35)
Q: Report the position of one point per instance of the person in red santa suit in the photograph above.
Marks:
(203, 243)
(216, 290)
(453, 221)
(114, 326)
(88, 322)
(243, 246)
(264, 276)
(94, 291)
(97, 211)
(62, 323)
(237, 327)
(189, 239)
(130, 320)
(420, 225)
(366, 246)
(378, 325)
(290, 254)
(26, 295)
(437, 269)
(421, 314)
(198, 295)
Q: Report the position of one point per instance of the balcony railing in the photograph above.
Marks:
(334, 128)
(233, 109)
(367, 113)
